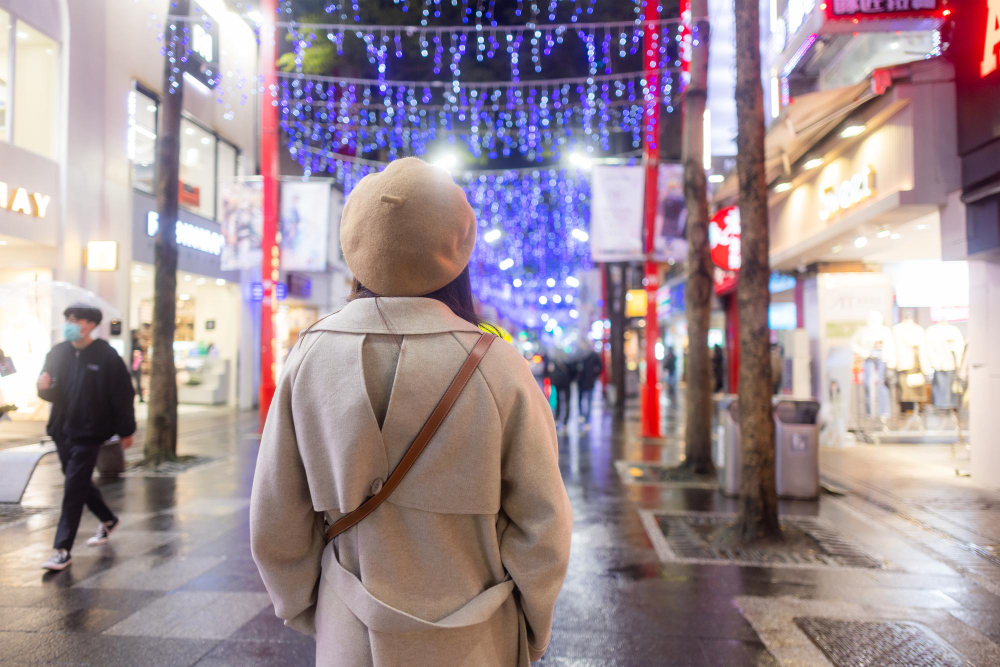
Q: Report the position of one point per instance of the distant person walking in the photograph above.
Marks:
(561, 378)
(588, 369)
(138, 355)
(92, 398)
(718, 364)
(670, 370)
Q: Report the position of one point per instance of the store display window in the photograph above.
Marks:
(36, 90)
(4, 73)
(196, 189)
(143, 110)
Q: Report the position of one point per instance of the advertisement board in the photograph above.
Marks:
(242, 219)
(305, 225)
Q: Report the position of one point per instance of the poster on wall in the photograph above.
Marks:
(671, 214)
(305, 225)
(242, 224)
(616, 213)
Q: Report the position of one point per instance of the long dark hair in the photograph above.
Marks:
(457, 295)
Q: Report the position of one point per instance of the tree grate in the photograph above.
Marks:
(640, 472)
(809, 542)
(848, 643)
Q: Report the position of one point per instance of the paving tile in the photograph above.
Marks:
(39, 646)
(986, 622)
(260, 654)
(27, 618)
(110, 651)
(152, 573)
(885, 597)
(743, 653)
(973, 597)
(92, 620)
(614, 648)
(202, 615)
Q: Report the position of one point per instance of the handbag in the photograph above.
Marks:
(427, 431)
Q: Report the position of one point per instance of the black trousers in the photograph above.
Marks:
(584, 400)
(562, 404)
(78, 461)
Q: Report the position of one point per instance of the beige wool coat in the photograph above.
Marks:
(462, 564)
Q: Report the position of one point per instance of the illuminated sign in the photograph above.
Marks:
(724, 238)
(636, 303)
(881, 9)
(102, 255)
(991, 49)
(202, 43)
(20, 200)
(836, 198)
(188, 235)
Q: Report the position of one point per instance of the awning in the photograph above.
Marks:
(806, 120)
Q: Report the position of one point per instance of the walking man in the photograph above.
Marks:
(92, 397)
(587, 371)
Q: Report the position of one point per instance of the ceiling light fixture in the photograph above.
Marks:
(783, 187)
(716, 178)
(813, 163)
(852, 131)
(861, 242)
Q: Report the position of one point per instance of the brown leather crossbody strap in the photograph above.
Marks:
(423, 437)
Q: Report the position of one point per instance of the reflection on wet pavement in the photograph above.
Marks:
(177, 586)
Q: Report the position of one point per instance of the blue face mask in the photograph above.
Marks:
(71, 331)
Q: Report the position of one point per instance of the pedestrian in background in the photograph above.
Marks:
(138, 355)
(588, 369)
(561, 378)
(670, 370)
(462, 565)
(92, 398)
(718, 365)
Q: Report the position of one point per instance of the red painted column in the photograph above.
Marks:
(269, 172)
(651, 159)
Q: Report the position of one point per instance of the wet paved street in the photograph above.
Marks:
(177, 586)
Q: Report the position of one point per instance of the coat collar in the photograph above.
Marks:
(394, 315)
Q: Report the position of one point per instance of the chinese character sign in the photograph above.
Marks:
(724, 238)
(851, 9)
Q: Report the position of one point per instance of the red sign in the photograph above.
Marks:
(883, 9)
(724, 238)
(991, 48)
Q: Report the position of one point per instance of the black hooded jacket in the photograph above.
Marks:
(91, 393)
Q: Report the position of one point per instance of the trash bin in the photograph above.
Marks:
(796, 443)
(728, 461)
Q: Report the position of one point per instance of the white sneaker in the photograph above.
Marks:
(104, 531)
(60, 561)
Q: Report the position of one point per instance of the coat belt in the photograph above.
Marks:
(380, 617)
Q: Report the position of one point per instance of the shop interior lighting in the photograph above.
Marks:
(716, 178)
(220, 281)
(882, 233)
(580, 161)
(895, 237)
(836, 249)
(813, 163)
(187, 276)
(861, 242)
(184, 297)
(852, 131)
(2, 242)
(920, 227)
(783, 187)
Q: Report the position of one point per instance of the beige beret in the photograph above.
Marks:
(407, 230)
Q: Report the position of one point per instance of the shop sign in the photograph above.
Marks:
(836, 198)
(882, 9)
(18, 200)
(102, 255)
(636, 303)
(188, 235)
(991, 48)
(724, 238)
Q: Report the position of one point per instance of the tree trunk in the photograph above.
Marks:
(698, 292)
(161, 426)
(616, 282)
(758, 519)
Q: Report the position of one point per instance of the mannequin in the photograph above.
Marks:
(874, 344)
(911, 361)
(945, 352)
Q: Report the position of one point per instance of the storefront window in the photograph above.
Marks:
(36, 90)
(227, 168)
(4, 72)
(142, 140)
(197, 170)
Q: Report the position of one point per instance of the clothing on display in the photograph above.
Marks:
(909, 339)
(875, 339)
(942, 390)
(945, 346)
(877, 398)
